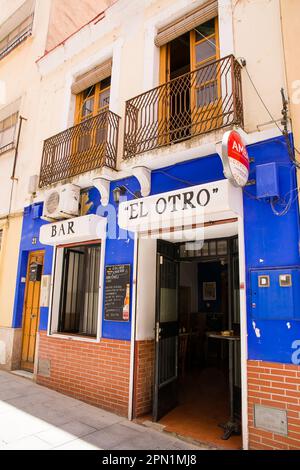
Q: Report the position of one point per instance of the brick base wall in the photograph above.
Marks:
(97, 373)
(144, 374)
(276, 385)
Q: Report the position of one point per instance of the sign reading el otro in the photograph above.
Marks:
(181, 208)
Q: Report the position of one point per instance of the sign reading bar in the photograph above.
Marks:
(76, 230)
(181, 208)
(117, 292)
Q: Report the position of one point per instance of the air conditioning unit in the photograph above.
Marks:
(62, 202)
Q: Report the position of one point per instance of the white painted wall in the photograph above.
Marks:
(146, 288)
(20, 79)
(247, 29)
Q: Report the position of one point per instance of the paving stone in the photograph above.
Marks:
(65, 433)
(34, 417)
(77, 444)
(112, 436)
(28, 443)
(17, 424)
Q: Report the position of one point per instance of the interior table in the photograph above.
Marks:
(232, 426)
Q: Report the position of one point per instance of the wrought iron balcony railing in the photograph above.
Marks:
(195, 103)
(89, 145)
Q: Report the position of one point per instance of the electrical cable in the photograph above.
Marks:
(188, 183)
(290, 151)
(287, 204)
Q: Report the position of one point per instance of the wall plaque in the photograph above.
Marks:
(271, 419)
(117, 292)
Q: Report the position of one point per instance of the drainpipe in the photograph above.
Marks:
(13, 178)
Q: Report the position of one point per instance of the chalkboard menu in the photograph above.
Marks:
(117, 292)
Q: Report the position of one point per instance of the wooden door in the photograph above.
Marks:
(31, 310)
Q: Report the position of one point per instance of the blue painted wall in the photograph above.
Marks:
(269, 241)
(30, 235)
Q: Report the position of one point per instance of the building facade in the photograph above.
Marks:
(136, 251)
(28, 29)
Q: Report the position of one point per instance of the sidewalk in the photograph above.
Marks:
(34, 417)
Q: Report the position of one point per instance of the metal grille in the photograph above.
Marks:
(195, 103)
(168, 359)
(80, 290)
(84, 147)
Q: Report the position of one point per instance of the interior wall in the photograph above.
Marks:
(189, 278)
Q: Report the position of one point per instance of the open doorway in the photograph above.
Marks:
(197, 389)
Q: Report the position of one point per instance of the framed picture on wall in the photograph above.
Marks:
(209, 291)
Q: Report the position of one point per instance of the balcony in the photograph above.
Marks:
(89, 145)
(192, 104)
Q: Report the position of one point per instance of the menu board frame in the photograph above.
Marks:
(114, 288)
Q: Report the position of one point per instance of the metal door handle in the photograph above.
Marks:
(33, 316)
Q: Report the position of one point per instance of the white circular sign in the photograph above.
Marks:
(235, 158)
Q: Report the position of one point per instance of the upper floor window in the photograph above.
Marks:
(16, 28)
(189, 51)
(7, 132)
(92, 90)
(92, 100)
(189, 61)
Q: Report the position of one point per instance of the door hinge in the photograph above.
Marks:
(157, 332)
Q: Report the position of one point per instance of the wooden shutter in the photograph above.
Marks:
(187, 22)
(17, 18)
(10, 109)
(92, 77)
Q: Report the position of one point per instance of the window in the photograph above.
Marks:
(204, 42)
(79, 290)
(191, 58)
(16, 36)
(92, 100)
(7, 132)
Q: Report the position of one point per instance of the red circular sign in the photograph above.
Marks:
(235, 158)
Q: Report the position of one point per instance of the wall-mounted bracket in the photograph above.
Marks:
(143, 175)
(103, 186)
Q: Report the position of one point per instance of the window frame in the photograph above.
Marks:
(1, 238)
(195, 65)
(54, 313)
(80, 100)
(11, 144)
